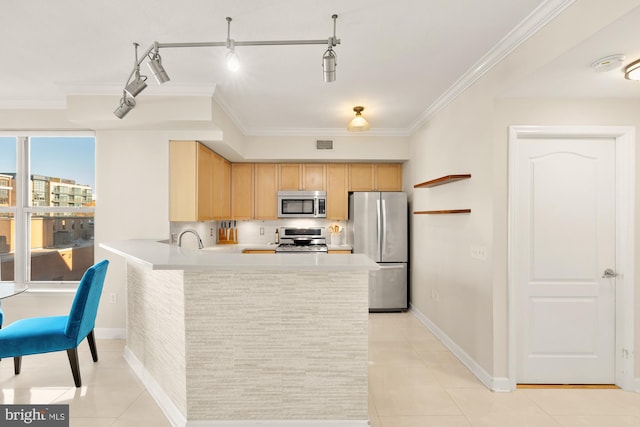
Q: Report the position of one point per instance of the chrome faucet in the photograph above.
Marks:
(194, 232)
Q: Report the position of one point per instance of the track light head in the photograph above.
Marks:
(126, 105)
(137, 85)
(329, 65)
(156, 67)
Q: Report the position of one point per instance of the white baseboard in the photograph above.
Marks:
(173, 414)
(110, 333)
(498, 384)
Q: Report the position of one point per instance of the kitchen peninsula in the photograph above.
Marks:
(222, 338)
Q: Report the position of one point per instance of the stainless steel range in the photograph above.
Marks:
(302, 240)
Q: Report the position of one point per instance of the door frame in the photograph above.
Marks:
(625, 139)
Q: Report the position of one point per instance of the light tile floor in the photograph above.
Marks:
(414, 381)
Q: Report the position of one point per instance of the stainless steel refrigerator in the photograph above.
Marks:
(377, 227)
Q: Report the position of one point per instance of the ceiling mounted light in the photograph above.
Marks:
(358, 124)
(329, 65)
(329, 58)
(126, 105)
(632, 71)
(155, 64)
(136, 83)
(231, 59)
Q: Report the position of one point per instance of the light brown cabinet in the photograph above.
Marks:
(289, 176)
(301, 176)
(199, 183)
(221, 188)
(337, 191)
(204, 186)
(258, 251)
(389, 176)
(314, 176)
(338, 251)
(242, 182)
(190, 181)
(266, 191)
(375, 177)
(361, 177)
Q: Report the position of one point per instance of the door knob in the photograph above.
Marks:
(609, 273)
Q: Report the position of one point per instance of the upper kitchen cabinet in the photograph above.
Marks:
(242, 182)
(301, 176)
(190, 181)
(375, 177)
(362, 177)
(266, 191)
(314, 177)
(337, 191)
(199, 183)
(389, 176)
(289, 176)
(221, 187)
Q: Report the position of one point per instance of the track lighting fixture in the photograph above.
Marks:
(155, 64)
(136, 82)
(358, 123)
(126, 105)
(632, 71)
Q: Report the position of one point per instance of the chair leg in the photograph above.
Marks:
(17, 364)
(72, 353)
(92, 346)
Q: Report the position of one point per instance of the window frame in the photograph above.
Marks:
(22, 211)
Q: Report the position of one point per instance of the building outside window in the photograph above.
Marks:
(46, 208)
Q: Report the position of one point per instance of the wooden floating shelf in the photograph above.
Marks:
(442, 180)
(442, 212)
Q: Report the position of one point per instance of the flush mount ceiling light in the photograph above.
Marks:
(136, 83)
(632, 71)
(358, 124)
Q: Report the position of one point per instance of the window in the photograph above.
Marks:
(47, 188)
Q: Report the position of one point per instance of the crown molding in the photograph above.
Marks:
(537, 19)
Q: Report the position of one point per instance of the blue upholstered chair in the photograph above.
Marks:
(37, 335)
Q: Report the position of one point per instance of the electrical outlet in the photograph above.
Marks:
(113, 298)
(262, 231)
(211, 232)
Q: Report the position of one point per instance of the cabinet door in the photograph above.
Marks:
(221, 189)
(313, 176)
(337, 191)
(242, 190)
(204, 168)
(361, 177)
(389, 176)
(289, 176)
(266, 191)
(182, 180)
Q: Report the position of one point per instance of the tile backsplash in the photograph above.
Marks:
(260, 232)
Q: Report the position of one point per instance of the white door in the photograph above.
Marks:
(564, 240)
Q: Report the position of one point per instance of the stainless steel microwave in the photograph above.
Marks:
(302, 204)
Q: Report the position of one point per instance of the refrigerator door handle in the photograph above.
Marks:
(383, 233)
(379, 225)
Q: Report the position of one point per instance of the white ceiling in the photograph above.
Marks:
(396, 58)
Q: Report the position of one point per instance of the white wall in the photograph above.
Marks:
(464, 297)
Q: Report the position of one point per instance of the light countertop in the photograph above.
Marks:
(157, 255)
